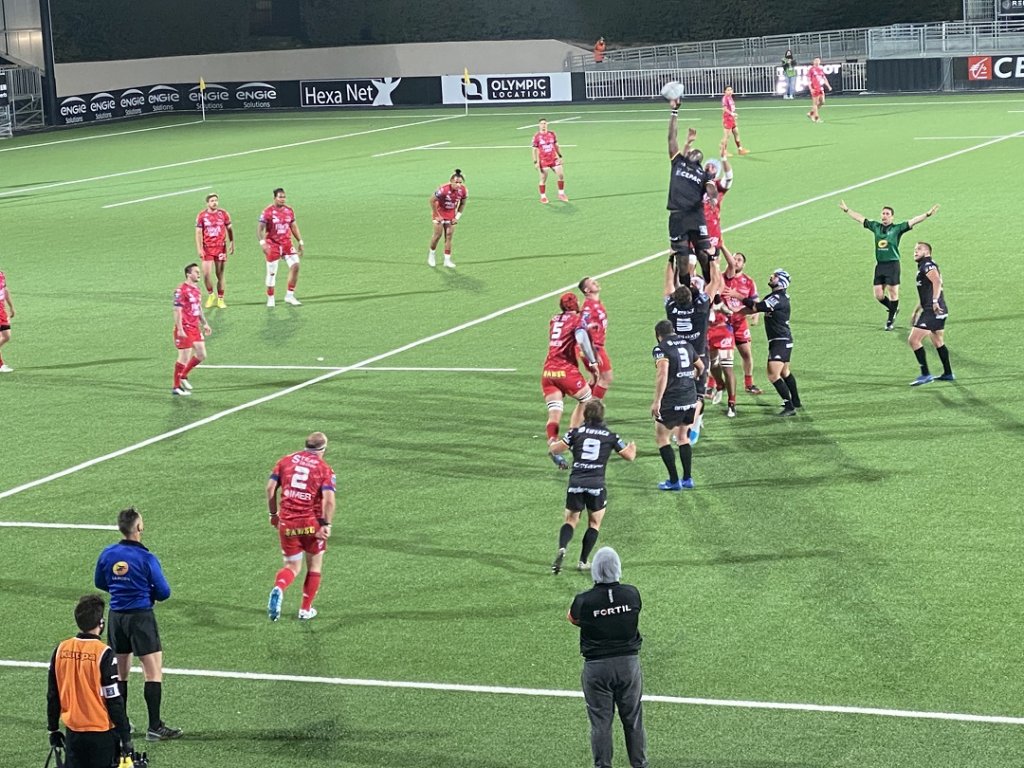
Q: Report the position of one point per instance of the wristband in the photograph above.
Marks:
(458, 215)
(674, 113)
(322, 521)
(263, 242)
(301, 243)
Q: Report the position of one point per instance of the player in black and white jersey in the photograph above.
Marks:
(591, 444)
(674, 407)
(687, 186)
(929, 317)
(776, 309)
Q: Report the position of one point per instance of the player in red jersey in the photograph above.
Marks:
(446, 207)
(188, 338)
(595, 320)
(721, 172)
(276, 228)
(547, 155)
(729, 122)
(302, 519)
(215, 239)
(721, 343)
(6, 315)
(737, 280)
(561, 374)
(818, 83)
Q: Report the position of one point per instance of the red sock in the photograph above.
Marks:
(541, 187)
(720, 381)
(748, 381)
(284, 579)
(192, 363)
(599, 391)
(270, 291)
(309, 589)
(561, 185)
(447, 253)
(178, 368)
(552, 430)
(220, 293)
(291, 286)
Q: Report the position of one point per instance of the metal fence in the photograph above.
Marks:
(760, 80)
(25, 89)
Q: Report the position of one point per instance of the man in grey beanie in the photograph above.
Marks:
(608, 615)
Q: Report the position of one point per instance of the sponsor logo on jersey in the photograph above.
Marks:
(256, 95)
(120, 568)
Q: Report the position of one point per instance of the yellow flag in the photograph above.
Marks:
(465, 75)
(202, 84)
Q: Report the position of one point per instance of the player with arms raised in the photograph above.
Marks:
(547, 156)
(818, 83)
(303, 520)
(215, 239)
(561, 373)
(188, 338)
(446, 207)
(276, 228)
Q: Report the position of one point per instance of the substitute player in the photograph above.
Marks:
(215, 239)
(547, 156)
(929, 316)
(595, 319)
(591, 444)
(561, 373)
(276, 228)
(446, 207)
(302, 519)
(188, 338)
(6, 315)
(817, 82)
(729, 122)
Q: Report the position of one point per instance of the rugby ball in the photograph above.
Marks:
(673, 90)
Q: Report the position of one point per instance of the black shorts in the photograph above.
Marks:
(887, 273)
(591, 499)
(779, 351)
(929, 321)
(688, 232)
(92, 749)
(674, 415)
(134, 633)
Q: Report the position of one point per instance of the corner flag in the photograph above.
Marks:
(465, 75)
(202, 84)
(202, 96)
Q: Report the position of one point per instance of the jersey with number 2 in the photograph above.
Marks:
(303, 477)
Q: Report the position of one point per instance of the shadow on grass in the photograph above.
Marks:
(87, 363)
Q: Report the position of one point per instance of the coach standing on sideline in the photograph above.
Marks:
(608, 615)
(133, 577)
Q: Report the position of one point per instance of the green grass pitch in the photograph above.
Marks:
(866, 554)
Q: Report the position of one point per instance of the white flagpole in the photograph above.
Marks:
(202, 100)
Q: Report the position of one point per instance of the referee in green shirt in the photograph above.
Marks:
(887, 254)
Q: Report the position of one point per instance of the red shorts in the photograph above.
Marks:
(815, 95)
(552, 162)
(728, 122)
(298, 536)
(720, 337)
(447, 217)
(740, 330)
(4, 320)
(192, 335)
(215, 253)
(276, 251)
(604, 363)
(569, 383)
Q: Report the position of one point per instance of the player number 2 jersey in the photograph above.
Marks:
(188, 298)
(303, 477)
(278, 220)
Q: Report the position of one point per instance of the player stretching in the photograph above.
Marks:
(302, 519)
(188, 316)
(818, 82)
(6, 315)
(596, 321)
(215, 239)
(729, 118)
(561, 375)
(547, 155)
(446, 206)
(277, 225)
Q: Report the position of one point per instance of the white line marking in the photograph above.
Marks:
(364, 368)
(157, 197)
(499, 146)
(550, 122)
(77, 526)
(563, 694)
(411, 149)
(952, 138)
(243, 153)
(100, 136)
(469, 324)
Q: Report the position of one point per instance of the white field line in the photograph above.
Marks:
(411, 149)
(956, 138)
(563, 694)
(497, 146)
(550, 122)
(469, 324)
(157, 197)
(364, 368)
(243, 153)
(99, 136)
(76, 526)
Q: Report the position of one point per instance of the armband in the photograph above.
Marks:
(674, 113)
(322, 521)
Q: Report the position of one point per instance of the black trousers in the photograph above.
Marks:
(91, 749)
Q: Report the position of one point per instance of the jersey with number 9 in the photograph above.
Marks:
(302, 478)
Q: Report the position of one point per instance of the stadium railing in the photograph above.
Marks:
(25, 89)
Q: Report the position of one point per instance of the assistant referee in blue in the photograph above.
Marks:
(608, 616)
(133, 577)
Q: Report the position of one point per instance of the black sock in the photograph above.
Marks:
(565, 536)
(784, 393)
(122, 687)
(894, 307)
(921, 360)
(589, 540)
(669, 457)
(884, 301)
(791, 384)
(944, 357)
(152, 692)
(686, 456)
